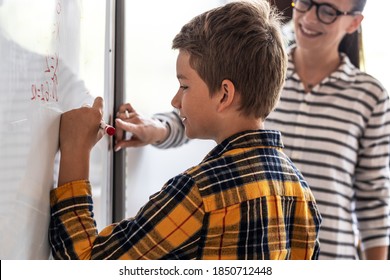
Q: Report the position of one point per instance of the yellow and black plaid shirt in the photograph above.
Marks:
(245, 200)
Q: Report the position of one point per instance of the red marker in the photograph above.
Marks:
(110, 130)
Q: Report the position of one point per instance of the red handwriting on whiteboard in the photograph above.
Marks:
(47, 90)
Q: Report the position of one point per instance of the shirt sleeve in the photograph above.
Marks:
(171, 218)
(177, 136)
(372, 178)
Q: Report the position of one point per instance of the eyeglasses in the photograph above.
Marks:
(326, 13)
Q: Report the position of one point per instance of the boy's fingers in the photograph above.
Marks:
(98, 104)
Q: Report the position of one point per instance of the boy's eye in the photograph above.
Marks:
(183, 87)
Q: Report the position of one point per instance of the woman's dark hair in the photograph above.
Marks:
(352, 44)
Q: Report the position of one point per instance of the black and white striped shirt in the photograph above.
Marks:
(338, 135)
(177, 135)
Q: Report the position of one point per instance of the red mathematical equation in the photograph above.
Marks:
(47, 90)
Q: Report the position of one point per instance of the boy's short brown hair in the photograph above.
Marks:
(241, 42)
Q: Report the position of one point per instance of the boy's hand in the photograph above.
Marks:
(80, 128)
(79, 132)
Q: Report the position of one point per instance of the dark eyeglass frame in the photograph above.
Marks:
(318, 7)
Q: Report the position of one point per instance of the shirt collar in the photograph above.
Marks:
(346, 71)
(247, 139)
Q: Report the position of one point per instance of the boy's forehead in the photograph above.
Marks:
(183, 54)
(184, 70)
(183, 63)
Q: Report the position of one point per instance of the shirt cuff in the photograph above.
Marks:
(80, 188)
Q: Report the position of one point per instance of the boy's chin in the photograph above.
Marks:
(193, 134)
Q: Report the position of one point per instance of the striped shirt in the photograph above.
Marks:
(176, 136)
(245, 200)
(338, 137)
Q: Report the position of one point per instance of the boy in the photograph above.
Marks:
(245, 200)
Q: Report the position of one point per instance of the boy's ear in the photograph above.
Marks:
(226, 95)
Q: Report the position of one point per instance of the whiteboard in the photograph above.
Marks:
(55, 55)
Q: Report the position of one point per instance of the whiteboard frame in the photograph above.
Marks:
(119, 164)
(109, 98)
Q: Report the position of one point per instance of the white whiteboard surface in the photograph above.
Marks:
(53, 57)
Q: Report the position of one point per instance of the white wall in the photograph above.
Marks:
(375, 40)
(150, 85)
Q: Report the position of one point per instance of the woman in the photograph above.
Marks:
(335, 123)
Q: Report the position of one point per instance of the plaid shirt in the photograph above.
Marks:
(245, 200)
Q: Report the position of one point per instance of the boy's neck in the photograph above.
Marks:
(239, 124)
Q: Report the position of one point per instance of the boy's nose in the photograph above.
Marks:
(176, 100)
